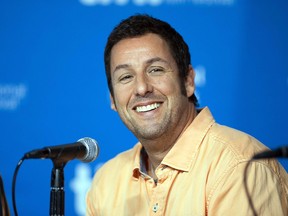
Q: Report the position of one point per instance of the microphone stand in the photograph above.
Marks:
(57, 193)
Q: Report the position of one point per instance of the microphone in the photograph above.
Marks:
(279, 152)
(85, 149)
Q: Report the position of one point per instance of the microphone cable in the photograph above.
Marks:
(14, 185)
(281, 152)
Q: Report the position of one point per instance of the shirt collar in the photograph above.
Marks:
(140, 160)
(185, 149)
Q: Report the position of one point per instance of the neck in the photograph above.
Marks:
(156, 157)
(151, 170)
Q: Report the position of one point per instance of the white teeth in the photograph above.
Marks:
(147, 108)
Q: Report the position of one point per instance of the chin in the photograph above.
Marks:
(148, 134)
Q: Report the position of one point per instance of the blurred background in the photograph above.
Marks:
(53, 86)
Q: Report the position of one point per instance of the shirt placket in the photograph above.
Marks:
(159, 192)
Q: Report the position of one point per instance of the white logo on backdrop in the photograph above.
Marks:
(80, 185)
(200, 77)
(156, 2)
(200, 80)
(11, 95)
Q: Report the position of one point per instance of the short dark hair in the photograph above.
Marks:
(141, 24)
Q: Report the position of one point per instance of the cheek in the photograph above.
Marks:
(167, 87)
(121, 97)
(119, 101)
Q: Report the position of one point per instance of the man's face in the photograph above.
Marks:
(147, 87)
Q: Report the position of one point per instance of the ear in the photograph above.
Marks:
(112, 103)
(189, 82)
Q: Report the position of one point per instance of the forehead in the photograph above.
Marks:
(140, 48)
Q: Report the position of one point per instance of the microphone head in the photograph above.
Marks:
(92, 149)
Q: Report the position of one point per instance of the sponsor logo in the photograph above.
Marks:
(80, 185)
(200, 80)
(200, 76)
(155, 2)
(11, 95)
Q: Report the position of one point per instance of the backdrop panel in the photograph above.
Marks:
(53, 87)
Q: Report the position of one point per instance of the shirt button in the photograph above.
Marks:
(155, 207)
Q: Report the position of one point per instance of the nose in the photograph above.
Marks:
(142, 85)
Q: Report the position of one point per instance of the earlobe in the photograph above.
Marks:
(112, 103)
(189, 83)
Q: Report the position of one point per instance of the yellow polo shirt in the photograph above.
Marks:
(201, 175)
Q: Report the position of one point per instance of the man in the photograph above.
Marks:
(184, 163)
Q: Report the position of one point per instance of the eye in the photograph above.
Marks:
(125, 78)
(156, 71)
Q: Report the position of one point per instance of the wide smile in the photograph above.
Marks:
(147, 108)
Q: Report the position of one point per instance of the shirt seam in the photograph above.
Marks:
(229, 170)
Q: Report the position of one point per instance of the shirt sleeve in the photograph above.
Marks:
(89, 206)
(92, 199)
(265, 186)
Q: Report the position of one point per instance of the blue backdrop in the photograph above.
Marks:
(53, 87)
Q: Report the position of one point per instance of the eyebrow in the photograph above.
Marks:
(156, 59)
(148, 62)
(122, 66)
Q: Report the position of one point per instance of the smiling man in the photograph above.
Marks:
(184, 163)
(149, 95)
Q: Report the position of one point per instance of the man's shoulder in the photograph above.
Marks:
(240, 143)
